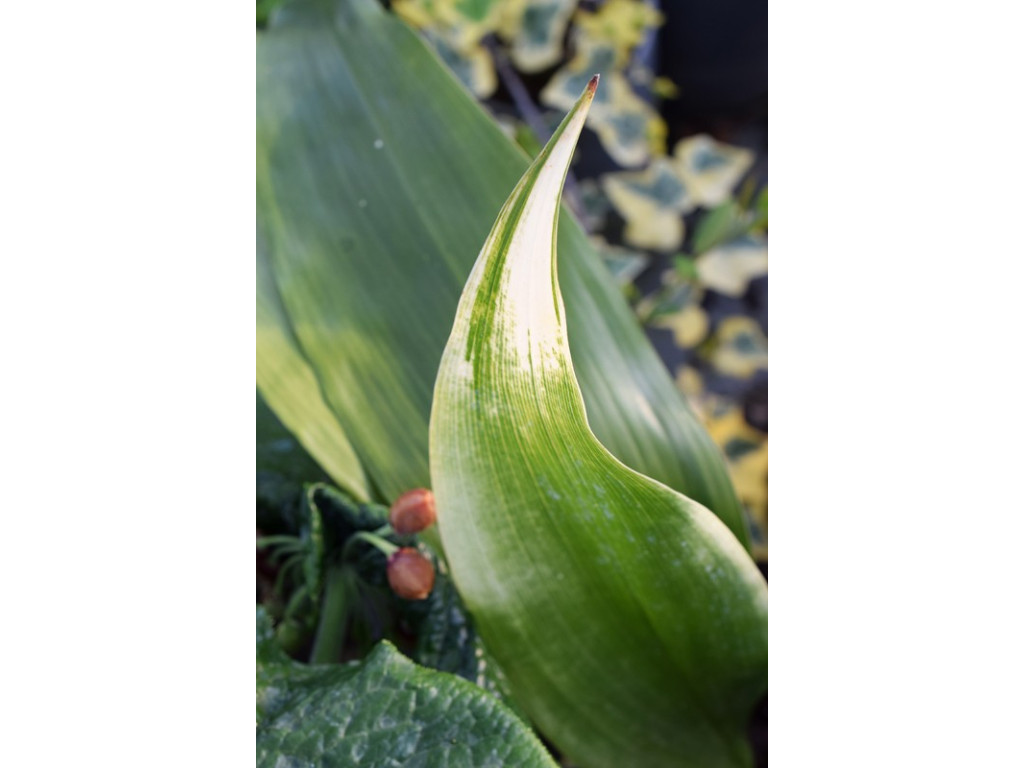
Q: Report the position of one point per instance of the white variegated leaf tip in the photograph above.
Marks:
(548, 534)
(516, 269)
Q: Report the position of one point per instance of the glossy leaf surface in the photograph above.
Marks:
(378, 177)
(381, 712)
(630, 622)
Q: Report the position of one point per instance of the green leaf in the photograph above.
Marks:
(290, 386)
(721, 224)
(378, 178)
(382, 712)
(447, 640)
(761, 209)
(630, 622)
(282, 467)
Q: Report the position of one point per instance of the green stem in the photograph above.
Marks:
(330, 634)
(384, 546)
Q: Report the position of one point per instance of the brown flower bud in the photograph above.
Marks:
(410, 574)
(413, 511)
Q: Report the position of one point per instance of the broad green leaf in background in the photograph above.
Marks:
(630, 622)
(378, 178)
(290, 387)
(384, 711)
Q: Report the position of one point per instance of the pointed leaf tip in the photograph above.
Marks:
(592, 85)
(547, 532)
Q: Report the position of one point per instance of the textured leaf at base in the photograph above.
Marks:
(383, 712)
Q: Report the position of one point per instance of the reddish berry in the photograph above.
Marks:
(413, 511)
(410, 574)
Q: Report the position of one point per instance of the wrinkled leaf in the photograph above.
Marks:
(632, 625)
(378, 178)
(384, 711)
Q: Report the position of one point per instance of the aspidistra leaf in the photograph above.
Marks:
(629, 620)
(378, 177)
(289, 386)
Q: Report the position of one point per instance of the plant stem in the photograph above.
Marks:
(384, 546)
(330, 634)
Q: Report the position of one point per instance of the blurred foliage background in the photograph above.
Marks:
(670, 179)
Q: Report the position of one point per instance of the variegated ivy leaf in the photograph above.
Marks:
(730, 267)
(468, 20)
(623, 263)
(564, 87)
(621, 23)
(455, 29)
(630, 622)
(652, 202)
(741, 348)
(595, 203)
(681, 313)
(746, 453)
(629, 128)
(473, 65)
(710, 169)
(534, 30)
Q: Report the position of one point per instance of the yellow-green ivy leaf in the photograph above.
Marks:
(455, 29)
(623, 263)
(621, 23)
(630, 622)
(652, 202)
(741, 348)
(629, 128)
(681, 313)
(710, 169)
(746, 453)
(534, 30)
(472, 65)
(563, 88)
(730, 267)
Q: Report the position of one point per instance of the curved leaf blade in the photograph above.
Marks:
(289, 386)
(379, 177)
(630, 622)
